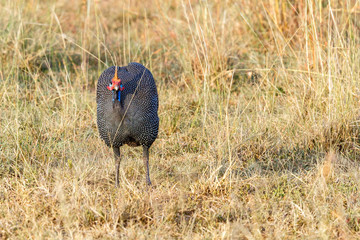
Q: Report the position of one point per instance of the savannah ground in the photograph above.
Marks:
(259, 120)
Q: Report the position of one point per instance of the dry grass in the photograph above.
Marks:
(259, 131)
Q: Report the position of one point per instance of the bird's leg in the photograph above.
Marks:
(146, 163)
(117, 165)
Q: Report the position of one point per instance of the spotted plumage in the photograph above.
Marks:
(132, 119)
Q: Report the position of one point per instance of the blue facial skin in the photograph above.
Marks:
(119, 94)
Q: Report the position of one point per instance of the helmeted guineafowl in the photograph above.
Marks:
(127, 110)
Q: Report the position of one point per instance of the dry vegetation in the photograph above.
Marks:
(259, 129)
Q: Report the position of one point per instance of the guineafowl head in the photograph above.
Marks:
(115, 86)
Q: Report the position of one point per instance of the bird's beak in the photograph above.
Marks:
(114, 96)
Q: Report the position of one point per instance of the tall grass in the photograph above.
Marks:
(259, 119)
